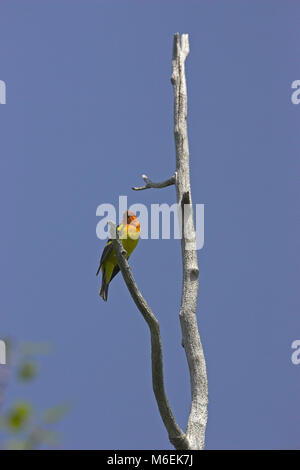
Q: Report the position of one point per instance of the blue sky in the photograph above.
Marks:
(89, 109)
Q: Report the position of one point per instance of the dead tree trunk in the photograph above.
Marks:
(194, 438)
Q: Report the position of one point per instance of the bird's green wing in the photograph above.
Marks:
(105, 254)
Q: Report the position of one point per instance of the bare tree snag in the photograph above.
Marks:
(190, 281)
(194, 438)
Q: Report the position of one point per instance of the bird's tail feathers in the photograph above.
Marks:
(104, 288)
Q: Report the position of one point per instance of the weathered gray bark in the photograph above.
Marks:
(194, 438)
(151, 184)
(190, 282)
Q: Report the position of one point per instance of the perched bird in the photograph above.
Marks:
(129, 234)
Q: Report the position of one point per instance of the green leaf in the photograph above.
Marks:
(18, 416)
(34, 349)
(27, 371)
(15, 444)
(56, 413)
